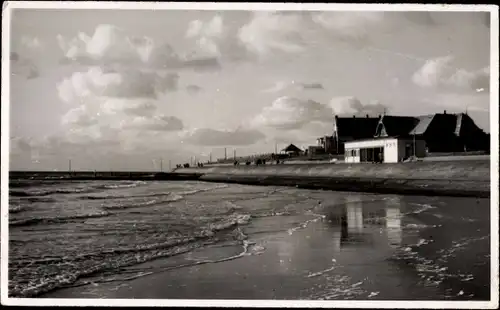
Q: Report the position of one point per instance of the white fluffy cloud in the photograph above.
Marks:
(287, 113)
(292, 32)
(268, 32)
(440, 73)
(110, 45)
(351, 26)
(214, 137)
(79, 117)
(108, 102)
(207, 34)
(344, 106)
(120, 84)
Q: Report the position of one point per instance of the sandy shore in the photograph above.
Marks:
(310, 257)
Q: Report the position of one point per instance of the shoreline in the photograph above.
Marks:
(431, 178)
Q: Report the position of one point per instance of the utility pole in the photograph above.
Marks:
(169, 164)
(414, 145)
(161, 164)
(210, 157)
(69, 166)
(225, 153)
(234, 154)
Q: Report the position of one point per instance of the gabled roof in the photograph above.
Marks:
(291, 148)
(396, 125)
(423, 123)
(356, 127)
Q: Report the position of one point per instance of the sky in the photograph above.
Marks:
(126, 89)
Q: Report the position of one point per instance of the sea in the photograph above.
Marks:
(64, 232)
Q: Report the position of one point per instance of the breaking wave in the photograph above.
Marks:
(77, 266)
(51, 220)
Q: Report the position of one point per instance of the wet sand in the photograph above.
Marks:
(428, 253)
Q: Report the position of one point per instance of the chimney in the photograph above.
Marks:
(354, 116)
(379, 116)
(444, 111)
(367, 116)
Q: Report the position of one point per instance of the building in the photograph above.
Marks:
(451, 133)
(315, 150)
(292, 150)
(384, 149)
(347, 129)
(442, 132)
(327, 143)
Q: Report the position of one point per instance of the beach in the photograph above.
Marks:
(196, 240)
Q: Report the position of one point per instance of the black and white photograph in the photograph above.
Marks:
(249, 154)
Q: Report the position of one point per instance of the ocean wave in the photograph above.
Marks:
(201, 190)
(123, 185)
(89, 188)
(16, 208)
(422, 208)
(152, 202)
(177, 194)
(16, 193)
(115, 258)
(31, 183)
(111, 197)
(51, 220)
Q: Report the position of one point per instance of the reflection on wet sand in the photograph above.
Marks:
(362, 222)
(393, 222)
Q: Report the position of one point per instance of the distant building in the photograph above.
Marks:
(327, 144)
(292, 150)
(314, 150)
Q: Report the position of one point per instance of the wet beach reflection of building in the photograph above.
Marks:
(362, 223)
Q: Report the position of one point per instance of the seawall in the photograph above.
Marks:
(449, 178)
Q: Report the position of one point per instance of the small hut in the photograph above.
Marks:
(292, 150)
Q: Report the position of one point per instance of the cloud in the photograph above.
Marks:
(440, 73)
(214, 137)
(32, 43)
(22, 66)
(348, 106)
(281, 86)
(352, 26)
(19, 145)
(292, 32)
(110, 44)
(287, 113)
(193, 89)
(117, 104)
(79, 117)
(207, 35)
(121, 84)
(269, 32)
(154, 123)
